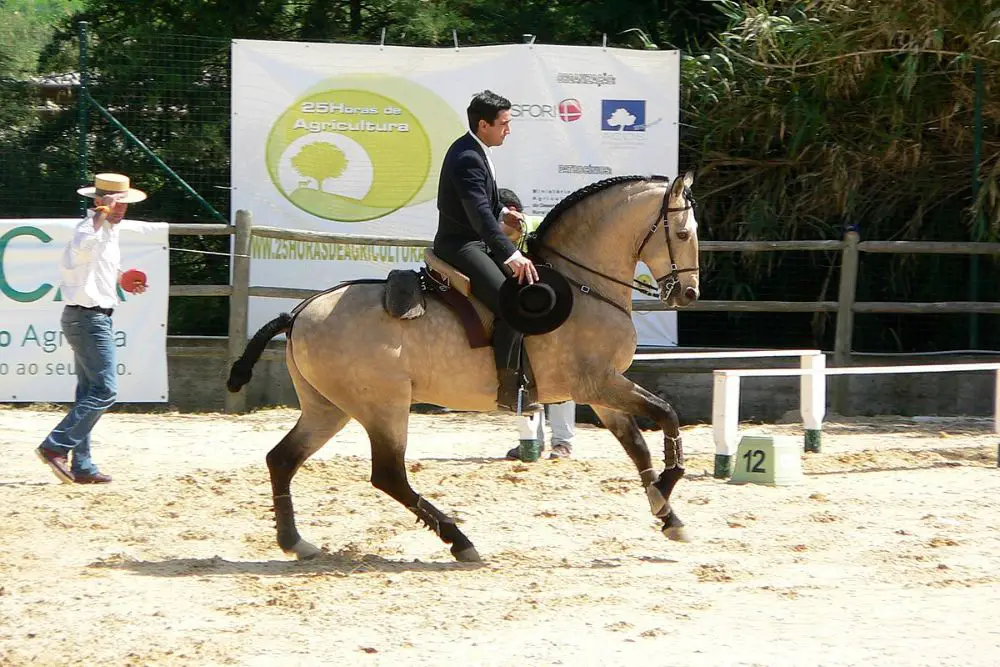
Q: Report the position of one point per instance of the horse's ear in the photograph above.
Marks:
(688, 179)
(677, 188)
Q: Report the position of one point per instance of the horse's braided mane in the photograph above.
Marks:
(536, 237)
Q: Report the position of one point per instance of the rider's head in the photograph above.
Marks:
(510, 199)
(489, 117)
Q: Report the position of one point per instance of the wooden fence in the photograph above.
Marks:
(845, 306)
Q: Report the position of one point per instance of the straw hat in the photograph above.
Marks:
(113, 184)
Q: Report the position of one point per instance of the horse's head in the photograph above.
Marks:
(672, 254)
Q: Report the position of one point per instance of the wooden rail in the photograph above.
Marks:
(850, 248)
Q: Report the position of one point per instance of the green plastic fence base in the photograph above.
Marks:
(723, 466)
(812, 440)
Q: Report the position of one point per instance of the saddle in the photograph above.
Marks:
(405, 298)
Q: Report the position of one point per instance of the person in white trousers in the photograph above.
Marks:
(562, 416)
(562, 424)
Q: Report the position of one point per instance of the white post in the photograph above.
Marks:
(812, 389)
(725, 421)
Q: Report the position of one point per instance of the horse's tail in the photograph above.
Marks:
(242, 369)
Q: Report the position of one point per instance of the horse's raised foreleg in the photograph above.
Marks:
(389, 475)
(616, 402)
(313, 430)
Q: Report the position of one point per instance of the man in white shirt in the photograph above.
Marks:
(470, 236)
(91, 269)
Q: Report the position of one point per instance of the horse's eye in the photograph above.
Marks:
(684, 234)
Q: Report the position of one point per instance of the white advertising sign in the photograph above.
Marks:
(36, 362)
(350, 139)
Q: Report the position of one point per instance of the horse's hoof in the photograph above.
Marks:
(676, 533)
(468, 555)
(304, 551)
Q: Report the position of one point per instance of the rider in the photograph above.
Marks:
(470, 236)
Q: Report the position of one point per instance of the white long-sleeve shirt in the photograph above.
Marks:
(91, 264)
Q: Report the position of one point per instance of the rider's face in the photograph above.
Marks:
(493, 135)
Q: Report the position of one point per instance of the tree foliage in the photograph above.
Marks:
(809, 118)
(823, 114)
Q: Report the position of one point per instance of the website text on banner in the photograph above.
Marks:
(350, 139)
(36, 362)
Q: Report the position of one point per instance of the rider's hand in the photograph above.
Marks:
(514, 219)
(524, 269)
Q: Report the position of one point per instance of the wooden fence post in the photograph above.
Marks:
(840, 387)
(239, 304)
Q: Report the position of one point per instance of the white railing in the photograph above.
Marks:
(726, 399)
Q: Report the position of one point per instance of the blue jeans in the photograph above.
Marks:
(90, 335)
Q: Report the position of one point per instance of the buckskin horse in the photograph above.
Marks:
(349, 359)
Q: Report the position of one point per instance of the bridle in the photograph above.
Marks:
(666, 283)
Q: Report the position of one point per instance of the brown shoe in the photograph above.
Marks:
(91, 478)
(560, 451)
(57, 463)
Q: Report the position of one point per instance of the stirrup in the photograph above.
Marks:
(524, 404)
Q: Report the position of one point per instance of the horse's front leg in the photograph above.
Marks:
(614, 403)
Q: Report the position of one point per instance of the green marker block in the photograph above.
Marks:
(766, 460)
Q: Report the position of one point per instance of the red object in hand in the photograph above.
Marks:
(132, 279)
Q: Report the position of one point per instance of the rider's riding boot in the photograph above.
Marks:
(507, 350)
(510, 385)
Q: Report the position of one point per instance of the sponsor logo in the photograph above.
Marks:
(586, 79)
(598, 169)
(623, 115)
(570, 110)
(567, 111)
(361, 148)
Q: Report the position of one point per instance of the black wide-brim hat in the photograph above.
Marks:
(539, 308)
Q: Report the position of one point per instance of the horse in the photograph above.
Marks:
(348, 359)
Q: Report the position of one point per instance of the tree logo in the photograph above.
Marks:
(351, 150)
(623, 115)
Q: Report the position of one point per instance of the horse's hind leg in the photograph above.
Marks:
(320, 420)
(617, 401)
(388, 439)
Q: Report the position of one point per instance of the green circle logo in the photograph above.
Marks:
(351, 151)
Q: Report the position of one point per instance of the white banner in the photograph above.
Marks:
(350, 139)
(36, 362)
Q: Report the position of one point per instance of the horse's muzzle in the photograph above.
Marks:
(674, 294)
(682, 297)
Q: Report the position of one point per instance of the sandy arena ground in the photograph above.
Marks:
(888, 553)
